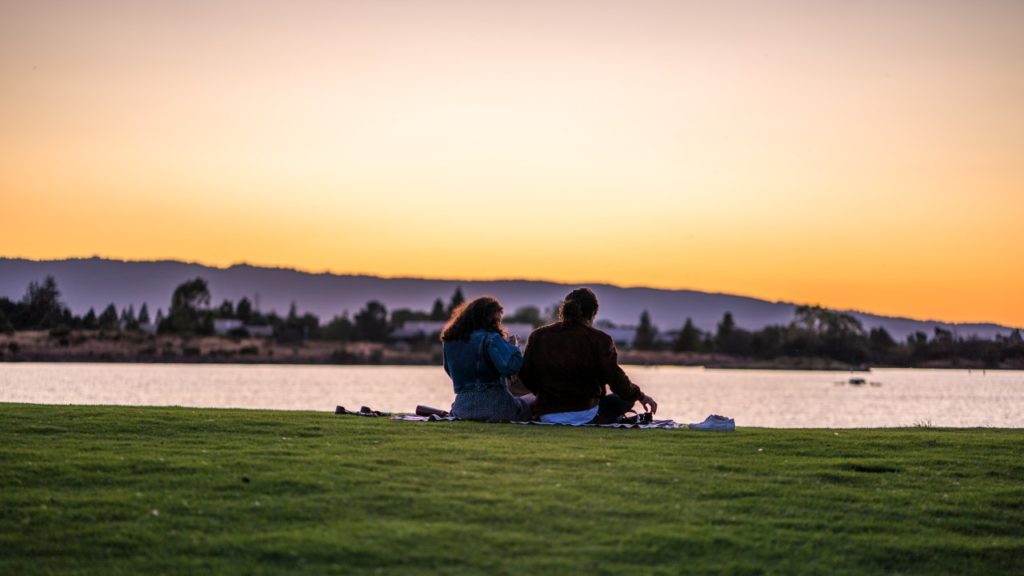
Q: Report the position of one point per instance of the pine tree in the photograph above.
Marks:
(243, 311)
(128, 320)
(688, 339)
(726, 328)
(646, 334)
(144, 314)
(438, 312)
(108, 319)
(457, 300)
(89, 321)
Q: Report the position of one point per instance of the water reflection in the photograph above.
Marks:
(754, 398)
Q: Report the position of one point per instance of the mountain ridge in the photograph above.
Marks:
(94, 282)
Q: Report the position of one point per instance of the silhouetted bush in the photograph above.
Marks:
(343, 356)
(289, 335)
(5, 324)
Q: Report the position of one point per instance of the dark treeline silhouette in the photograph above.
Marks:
(817, 332)
(190, 314)
(814, 332)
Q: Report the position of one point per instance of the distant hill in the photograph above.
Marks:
(96, 282)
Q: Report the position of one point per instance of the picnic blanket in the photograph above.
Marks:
(713, 423)
(653, 425)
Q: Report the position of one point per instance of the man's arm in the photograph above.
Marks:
(619, 382)
(615, 376)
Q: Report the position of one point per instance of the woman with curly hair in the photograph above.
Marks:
(479, 358)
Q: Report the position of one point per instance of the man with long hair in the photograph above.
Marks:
(567, 365)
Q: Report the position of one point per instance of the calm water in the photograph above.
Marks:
(754, 398)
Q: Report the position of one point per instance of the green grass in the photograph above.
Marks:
(104, 490)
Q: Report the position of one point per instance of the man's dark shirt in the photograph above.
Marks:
(567, 366)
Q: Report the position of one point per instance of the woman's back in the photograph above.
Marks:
(481, 361)
(479, 368)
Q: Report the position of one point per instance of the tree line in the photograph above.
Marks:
(190, 313)
(42, 309)
(814, 332)
(817, 332)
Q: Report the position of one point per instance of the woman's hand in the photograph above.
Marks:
(648, 403)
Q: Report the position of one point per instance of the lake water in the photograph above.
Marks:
(956, 398)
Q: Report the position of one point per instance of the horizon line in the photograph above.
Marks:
(327, 272)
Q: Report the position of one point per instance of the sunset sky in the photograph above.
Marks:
(861, 154)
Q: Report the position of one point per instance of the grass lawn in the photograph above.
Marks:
(118, 490)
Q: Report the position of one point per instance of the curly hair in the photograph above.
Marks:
(483, 313)
(579, 307)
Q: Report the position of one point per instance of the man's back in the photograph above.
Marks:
(568, 365)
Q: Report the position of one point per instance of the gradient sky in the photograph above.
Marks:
(857, 154)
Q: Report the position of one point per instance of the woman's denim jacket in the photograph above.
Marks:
(481, 362)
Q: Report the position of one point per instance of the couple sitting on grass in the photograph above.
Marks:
(565, 367)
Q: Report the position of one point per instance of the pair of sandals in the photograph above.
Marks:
(363, 411)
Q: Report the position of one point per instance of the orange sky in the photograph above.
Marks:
(865, 155)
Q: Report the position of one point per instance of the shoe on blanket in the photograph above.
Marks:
(715, 423)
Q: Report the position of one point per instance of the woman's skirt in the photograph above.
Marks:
(492, 404)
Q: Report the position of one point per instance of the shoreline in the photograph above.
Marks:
(141, 348)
